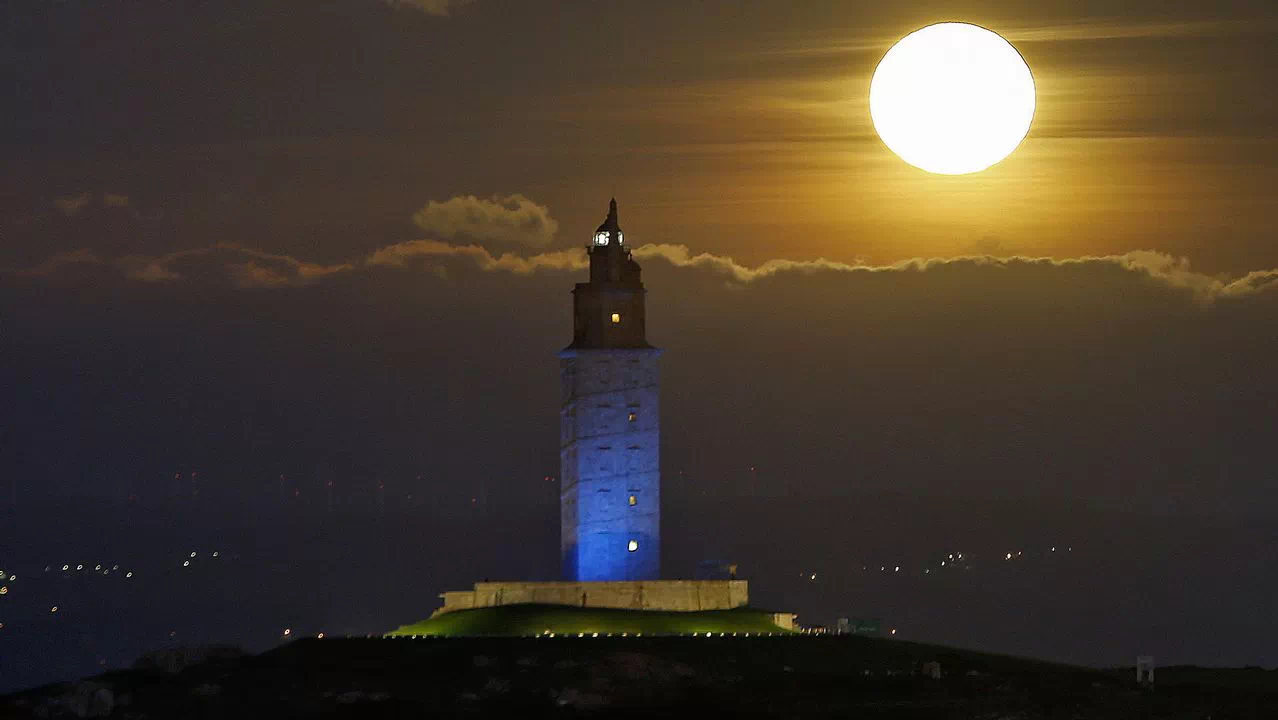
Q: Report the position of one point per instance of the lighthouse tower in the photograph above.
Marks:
(609, 434)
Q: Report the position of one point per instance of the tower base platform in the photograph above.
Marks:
(667, 595)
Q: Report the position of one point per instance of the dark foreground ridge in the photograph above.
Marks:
(780, 676)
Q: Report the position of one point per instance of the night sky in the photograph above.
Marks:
(285, 281)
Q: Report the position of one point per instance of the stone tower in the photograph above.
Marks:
(608, 447)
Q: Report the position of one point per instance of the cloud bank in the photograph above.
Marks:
(510, 219)
(240, 267)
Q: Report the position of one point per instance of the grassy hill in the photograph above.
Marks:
(529, 620)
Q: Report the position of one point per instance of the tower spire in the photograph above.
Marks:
(612, 212)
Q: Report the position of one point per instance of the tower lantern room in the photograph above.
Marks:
(608, 311)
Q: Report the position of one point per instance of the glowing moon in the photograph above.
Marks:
(952, 98)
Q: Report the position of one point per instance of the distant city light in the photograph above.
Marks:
(288, 631)
(186, 563)
(53, 609)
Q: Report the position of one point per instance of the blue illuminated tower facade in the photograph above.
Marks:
(610, 524)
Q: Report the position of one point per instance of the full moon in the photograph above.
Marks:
(952, 98)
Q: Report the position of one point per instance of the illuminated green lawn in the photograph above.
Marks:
(524, 620)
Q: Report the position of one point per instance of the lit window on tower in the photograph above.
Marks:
(633, 416)
(632, 546)
(634, 500)
(616, 318)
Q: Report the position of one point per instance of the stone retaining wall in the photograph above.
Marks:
(677, 595)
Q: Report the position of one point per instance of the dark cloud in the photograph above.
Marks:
(442, 8)
(71, 205)
(889, 411)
